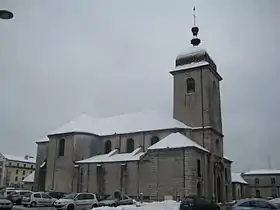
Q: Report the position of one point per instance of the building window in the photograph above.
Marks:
(16, 171)
(258, 193)
(23, 172)
(108, 147)
(24, 165)
(16, 179)
(198, 167)
(31, 166)
(17, 164)
(198, 187)
(190, 85)
(61, 147)
(226, 175)
(22, 178)
(257, 181)
(10, 163)
(272, 180)
(217, 144)
(129, 145)
(154, 140)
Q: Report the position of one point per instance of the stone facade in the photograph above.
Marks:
(158, 173)
(14, 169)
(262, 184)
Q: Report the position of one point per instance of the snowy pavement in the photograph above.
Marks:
(164, 205)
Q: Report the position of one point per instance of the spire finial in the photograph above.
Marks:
(195, 40)
(194, 16)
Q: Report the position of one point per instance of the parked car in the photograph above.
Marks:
(114, 200)
(38, 199)
(17, 195)
(276, 201)
(5, 203)
(76, 201)
(254, 204)
(57, 195)
(197, 203)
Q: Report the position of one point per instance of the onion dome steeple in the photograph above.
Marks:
(195, 40)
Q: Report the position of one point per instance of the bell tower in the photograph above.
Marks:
(196, 83)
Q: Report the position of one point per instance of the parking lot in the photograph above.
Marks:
(16, 207)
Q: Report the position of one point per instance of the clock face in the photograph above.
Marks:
(5, 14)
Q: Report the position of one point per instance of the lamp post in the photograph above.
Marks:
(6, 14)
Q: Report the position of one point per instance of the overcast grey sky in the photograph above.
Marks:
(61, 58)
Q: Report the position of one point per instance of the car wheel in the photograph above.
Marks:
(33, 204)
(114, 205)
(70, 207)
(18, 202)
(94, 206)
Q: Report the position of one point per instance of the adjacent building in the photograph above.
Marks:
(238, 186)
(14, 169)
(154, 153)
(262, 183)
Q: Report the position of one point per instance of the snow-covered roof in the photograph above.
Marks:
(226, 158)
(45, 139)
(236, 177)
(122, 124)
(114, 156)
(262, 172)
(191, 51)
(29, 178)
(176, 140)
(19, 159)
(191, 65)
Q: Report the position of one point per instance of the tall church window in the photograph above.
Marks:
(108, 147)
(129, 145)
(272, 180)
(190, 85)
(154, 140)
(61, 147)
(198, 167)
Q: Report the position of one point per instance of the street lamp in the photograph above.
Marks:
(6, 15)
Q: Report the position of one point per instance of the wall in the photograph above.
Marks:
(265, 186)
(28, 186)
(163, 173)
(77, 147)
(188, 106)
(141, 139)
(42, 153)
(238, 191)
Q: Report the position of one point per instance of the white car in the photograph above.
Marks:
(76, 201)
(5, 204)
(38, 199)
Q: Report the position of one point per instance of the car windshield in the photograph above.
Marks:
(70, 196)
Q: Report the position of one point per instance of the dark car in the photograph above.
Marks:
(57, 195)
(197, 203)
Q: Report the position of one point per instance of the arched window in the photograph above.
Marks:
(154, 140)
(108, 147)
(129, 145)
(61, 147)
(190, 85)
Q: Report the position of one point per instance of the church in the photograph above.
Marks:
(155, 154)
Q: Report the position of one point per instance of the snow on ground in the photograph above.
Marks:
(164, 205)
